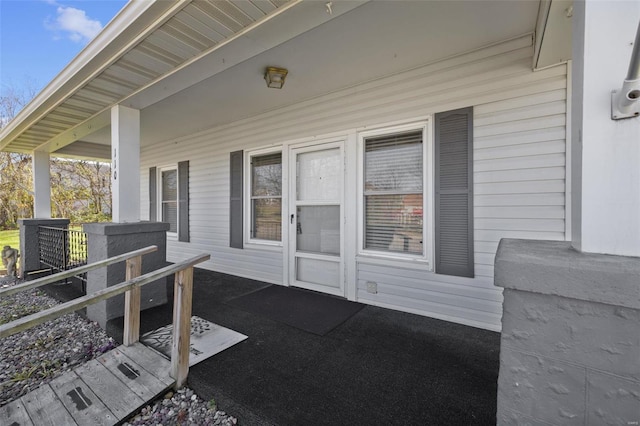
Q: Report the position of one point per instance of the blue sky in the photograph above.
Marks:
(38, 38)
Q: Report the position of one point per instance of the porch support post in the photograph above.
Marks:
(605, 152)
(41, 185)
(125, 154)
(570, 341)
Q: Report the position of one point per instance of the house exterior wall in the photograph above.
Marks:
(519, 169)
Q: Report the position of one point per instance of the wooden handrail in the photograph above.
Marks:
(32, 320)
(181, 309)
(76, 271)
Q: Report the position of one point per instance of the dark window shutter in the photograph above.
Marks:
(235, 211)
(183, 201)
(153, 195)
(454, 192)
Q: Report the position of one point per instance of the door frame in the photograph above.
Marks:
(312, 146)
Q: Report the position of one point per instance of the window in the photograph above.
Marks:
(169, 198)
(394, 192)
(266, 197)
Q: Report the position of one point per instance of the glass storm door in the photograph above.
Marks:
(315, 234)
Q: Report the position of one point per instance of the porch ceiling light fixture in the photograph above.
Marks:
(275, 77)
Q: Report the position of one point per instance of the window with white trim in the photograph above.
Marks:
(394, 192)
(168, 206)
(265, 197)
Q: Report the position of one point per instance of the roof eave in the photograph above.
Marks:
(136, 16)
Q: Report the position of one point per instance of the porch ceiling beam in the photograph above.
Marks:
(81, 150)
(168, 81)
(77, 132)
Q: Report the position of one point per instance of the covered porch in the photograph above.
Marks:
(379, 367)
(172, 90)
(173, 93)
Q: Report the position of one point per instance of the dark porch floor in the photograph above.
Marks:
(379, 367)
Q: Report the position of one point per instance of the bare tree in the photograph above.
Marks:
(16, 196)
(80, 190)
(13, 97)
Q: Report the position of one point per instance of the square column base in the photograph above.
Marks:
(570, 342)
(30, 246)
(106, 240)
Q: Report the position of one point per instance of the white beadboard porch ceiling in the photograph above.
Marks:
(192, 65)
(147, 42)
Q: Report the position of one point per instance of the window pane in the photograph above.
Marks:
(170, 215)
(170, 185)
(394, 223)
(318, 175)
(266, 175)
(170, 199)
(267, 219)
(318, 229)
(394, 162)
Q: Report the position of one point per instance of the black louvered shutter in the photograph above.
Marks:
(153, 195)
(454, 192)
(235, 210)
(183, 201)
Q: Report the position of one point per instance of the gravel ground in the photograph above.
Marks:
(40, 354)
(36, 356)
(182, 408)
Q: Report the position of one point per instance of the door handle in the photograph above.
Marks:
(292, 216)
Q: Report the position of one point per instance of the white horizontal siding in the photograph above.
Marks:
(519, 171)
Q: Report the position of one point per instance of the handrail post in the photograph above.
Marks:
(183, 296)
(65, 250)
(132, 303)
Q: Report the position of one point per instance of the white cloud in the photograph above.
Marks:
(74, 24)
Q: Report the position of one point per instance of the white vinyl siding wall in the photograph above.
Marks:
(519, 172)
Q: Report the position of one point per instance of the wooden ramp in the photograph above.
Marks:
(103, 391)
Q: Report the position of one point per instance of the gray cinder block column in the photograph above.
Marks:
(29, 245)
(570, 345)
(105, 240)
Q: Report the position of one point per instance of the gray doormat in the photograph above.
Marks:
(310, 311)
(207, 339)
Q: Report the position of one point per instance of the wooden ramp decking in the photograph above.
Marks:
(103, 391)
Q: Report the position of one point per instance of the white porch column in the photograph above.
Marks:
(41, 185)
(125, 155)
(605, 153)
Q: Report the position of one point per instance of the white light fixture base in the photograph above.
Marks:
(625, 103)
